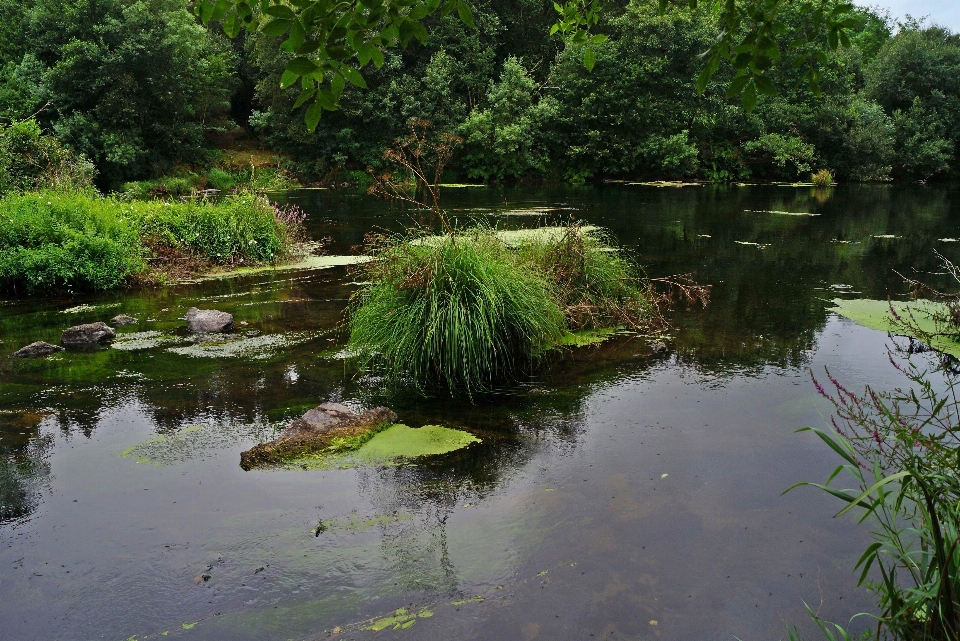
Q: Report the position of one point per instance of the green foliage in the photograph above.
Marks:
(505, 139)
(822, 178)
(83, 242)
(72, 242)
(133, 84)
(789, 154)
(242, 228)
(456, 312)
(466, 310)
(30, 161)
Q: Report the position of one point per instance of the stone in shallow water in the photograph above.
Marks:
(314, 431)
(38, 349)
(201, 321)
(87, 335)
(123, 319)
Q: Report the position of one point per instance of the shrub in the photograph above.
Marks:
(458, 311)
(73, 242)
(242, 228)
(220, 179)
(30, 160)
(822, 178)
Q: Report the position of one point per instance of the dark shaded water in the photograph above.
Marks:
(618, 495)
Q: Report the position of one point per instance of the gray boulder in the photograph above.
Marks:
(37, 350)
(203, 321)
(87, 335)
(123, 319)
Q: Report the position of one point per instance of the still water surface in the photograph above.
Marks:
(618, 495)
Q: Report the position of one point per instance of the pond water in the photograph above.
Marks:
(616, 495)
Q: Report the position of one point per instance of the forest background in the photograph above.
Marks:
(130, 90)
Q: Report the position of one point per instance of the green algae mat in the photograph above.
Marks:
(397, 443)
(875, 314)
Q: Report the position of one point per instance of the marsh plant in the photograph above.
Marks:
(822, 178)
(472, 308)
(901, 451)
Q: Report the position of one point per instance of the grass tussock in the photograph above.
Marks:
(822, 178)
(464, 311)
(56, 241)
(459, 313)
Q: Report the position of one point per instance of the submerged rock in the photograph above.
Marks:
(87, 335)
(38, 349)
(123, 319)
(202, 321)
(314, 431)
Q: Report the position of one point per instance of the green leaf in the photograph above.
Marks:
(326, 100)
(598, 38)
(305, 95)
(365, 53)
(737, 85)
(466, 16)
(749, 98)
(302, 66)
(280, 11)
(765, 86)
(337, 84)
(220, 9)
(276, 27)
(231, 25)
(312, 116)
(288, 78)
(353, 76)
(872, 488)
(589, 58)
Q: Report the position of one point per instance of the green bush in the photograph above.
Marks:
(242, 228)
(29, 160)
(72, 242)
(84, 242)
(220, 179)
(458, 311)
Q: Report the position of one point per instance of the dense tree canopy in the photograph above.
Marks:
(139, 87)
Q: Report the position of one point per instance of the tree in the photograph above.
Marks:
(332, 43)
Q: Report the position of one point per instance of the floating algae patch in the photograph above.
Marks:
(886, 236)
(192, 443)
(401, 620)
(750, 244)
(875, 314)
(254, 347)
(664, 183)
(514, 237)
(459, 185)
(88, 308)
(132, 341)
(355, 523)
(587, 337)
(780, 213)
(307, 263)
(391, 445)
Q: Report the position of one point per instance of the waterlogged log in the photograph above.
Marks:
(314, 432)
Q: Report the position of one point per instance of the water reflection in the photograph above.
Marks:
(569, 475)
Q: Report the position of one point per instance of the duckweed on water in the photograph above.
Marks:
(401, 620)
(132, 341)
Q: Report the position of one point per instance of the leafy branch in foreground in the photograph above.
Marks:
(332, 42)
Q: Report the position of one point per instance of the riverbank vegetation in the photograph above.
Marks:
(143, 90)
(472, 308)
(81, 241)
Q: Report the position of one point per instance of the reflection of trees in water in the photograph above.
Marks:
(24, 464)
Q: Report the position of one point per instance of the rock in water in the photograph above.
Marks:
(37, 350)
(87, 335)
(203, 321)
(123, 319)
(314, 431)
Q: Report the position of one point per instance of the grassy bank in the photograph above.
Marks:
(469, 309)
(84, 242)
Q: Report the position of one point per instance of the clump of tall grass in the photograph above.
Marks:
(465, 310)
(457, 311)
(822, 178)
(594, 283)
